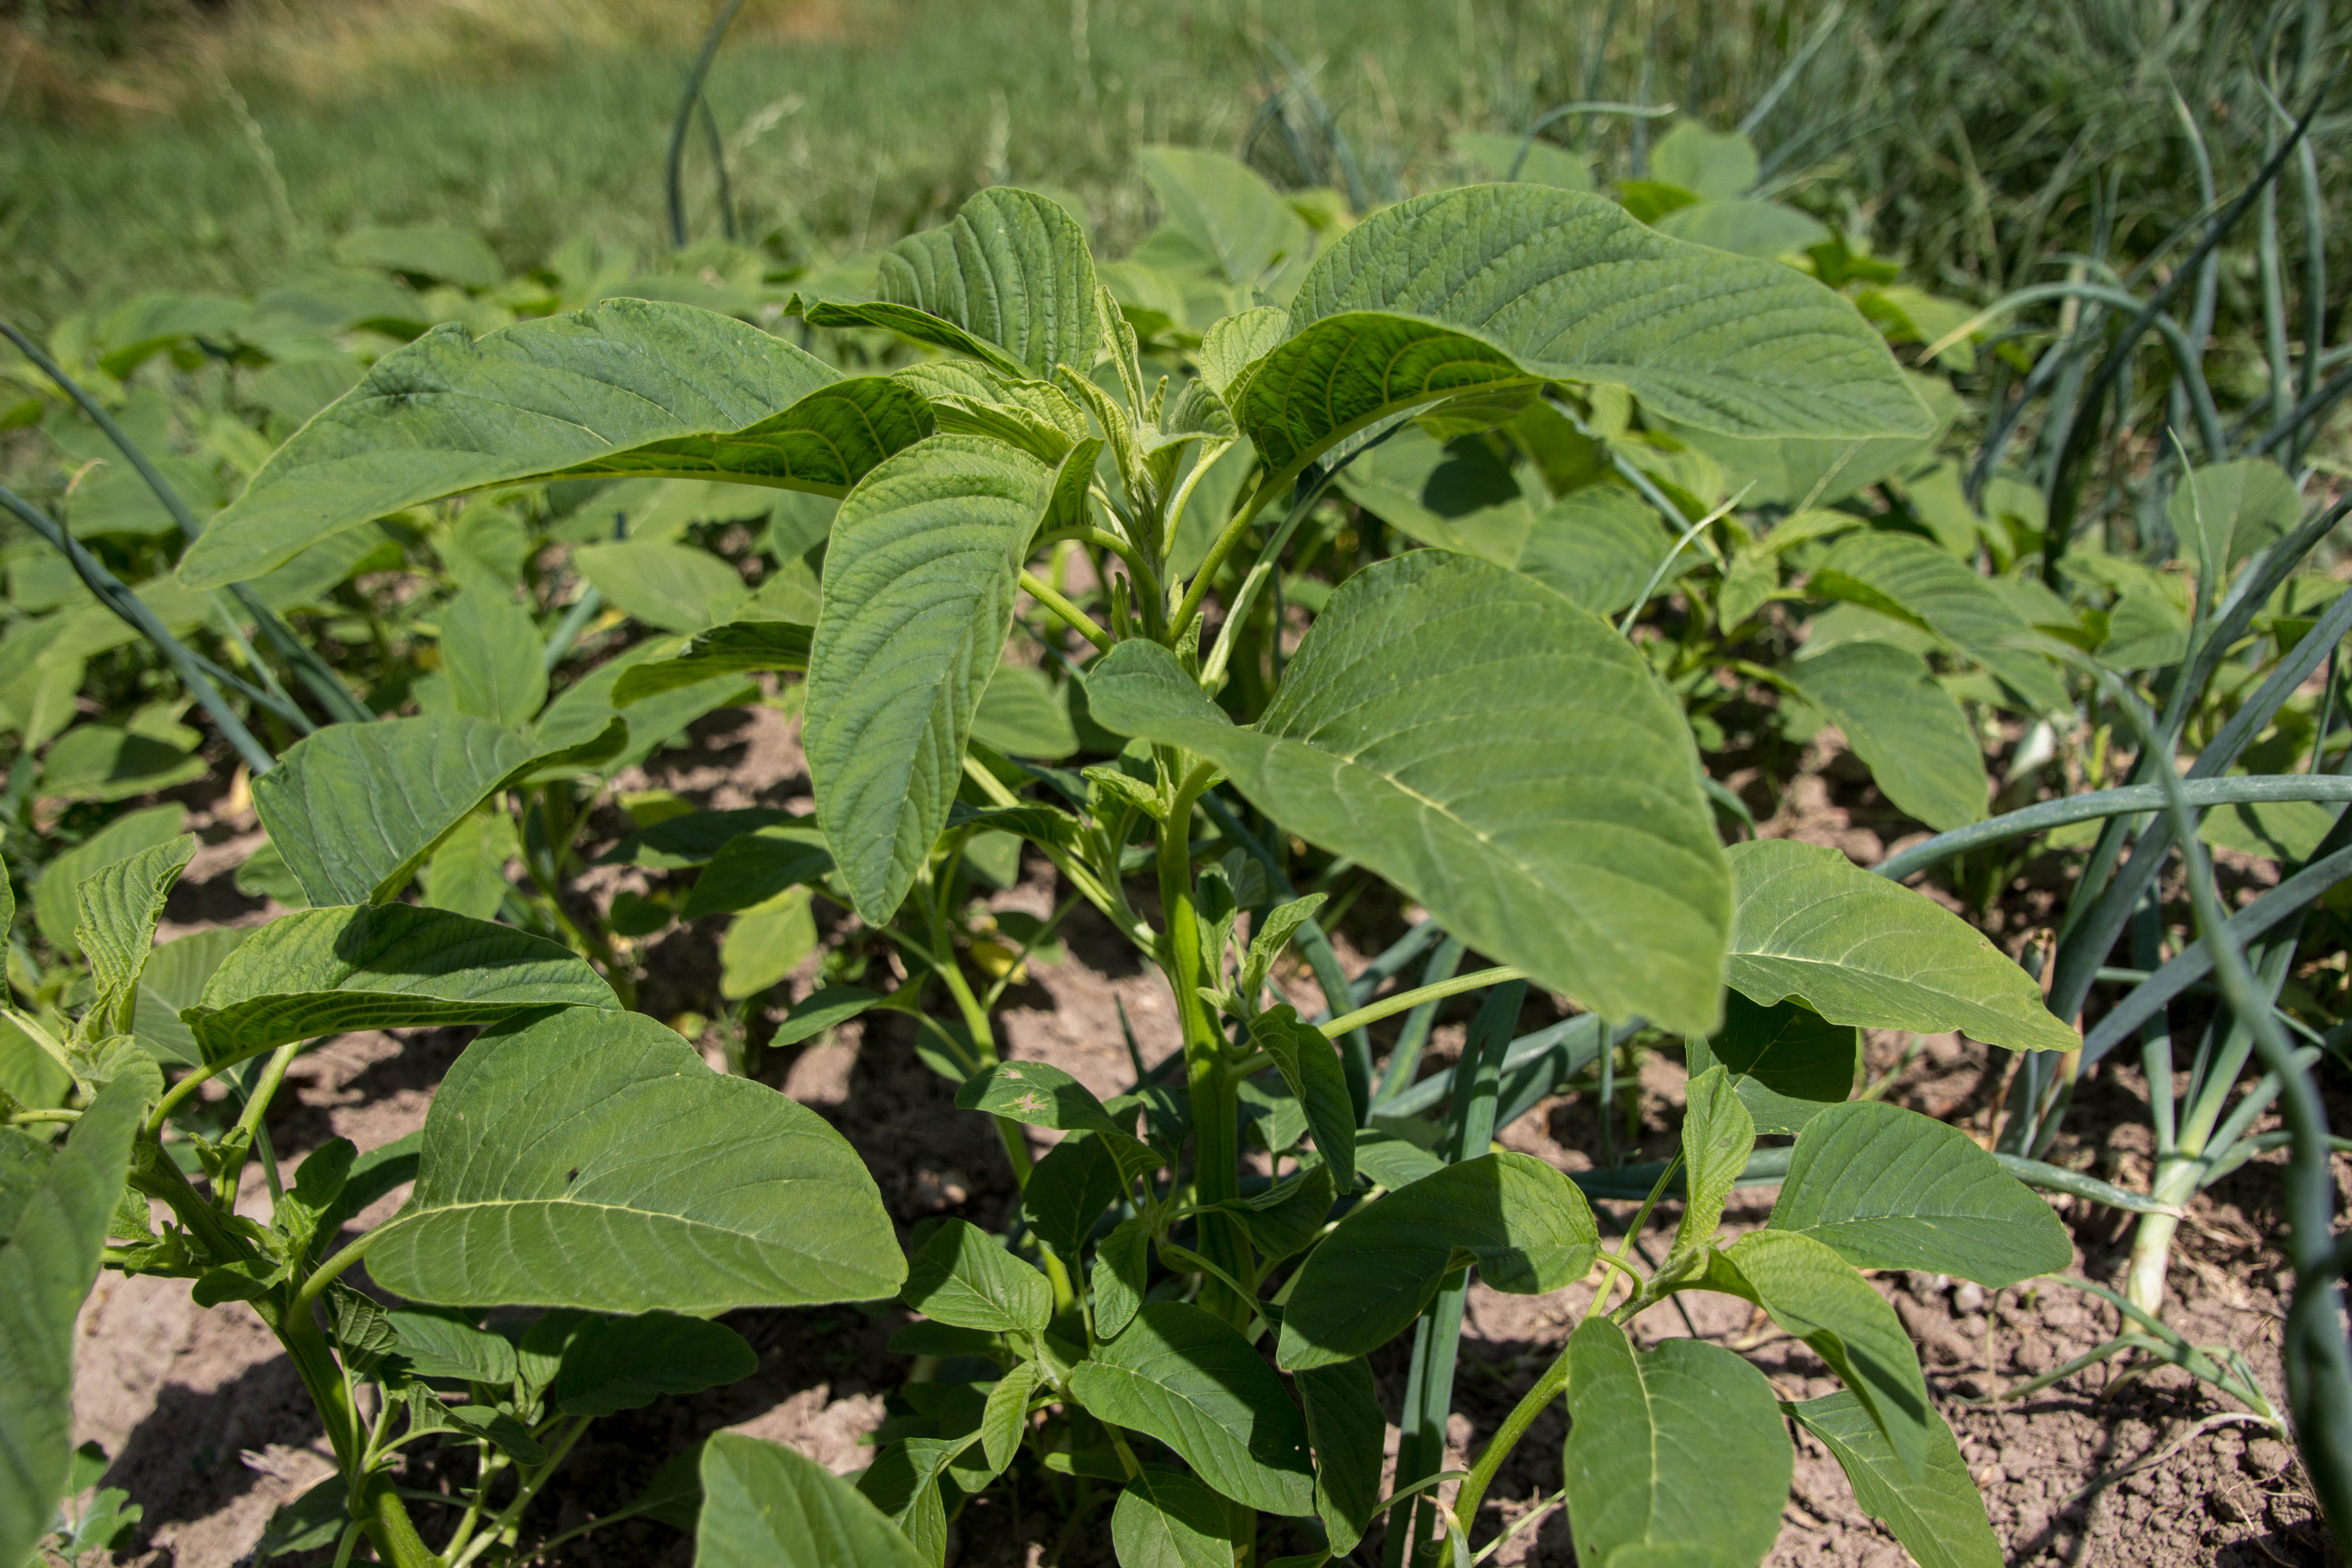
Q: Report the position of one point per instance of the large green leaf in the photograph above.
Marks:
(1348, 1432)
(674, 587)
(1858, 949)
(2240, 506)
(1493, 285)
(1889, 1188)
(1221, 205)
(119, 906)
(1188, 1378)
(1939, 1516)
(1744, 227)
(1787, 1062)
(1164, 1519)
(963, 1276)
(765, 1506)
(1904, 575)
(380, 966)
(1676, 1455)
(1524, 1225)
(1713, 165)
(1069, 1191)
(174, 979)
(1814, 1294)
(1495, 752)
(493, 656)
(621, 1364)
(1008, 280)
(1905, 726)
(735, 648)
(625, 386)
(919, 591)
(589, 1159)
(48, 1264)
(355, 808)
(57, 903)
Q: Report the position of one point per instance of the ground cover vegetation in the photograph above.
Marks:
(1332, 548)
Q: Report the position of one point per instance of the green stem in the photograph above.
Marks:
(1216, 1153)
(1405, 1001)
(1079, 621)
(1548, 1387)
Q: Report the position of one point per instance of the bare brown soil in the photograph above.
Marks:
(210, 1431)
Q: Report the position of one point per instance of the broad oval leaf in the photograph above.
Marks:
(1939, 1516)
(918, 592)
(1222, 206)
(1164, 1519)
(1494, 284)
(1745, 227)
(435, 1346)
(1189, 1379)
(1495, 752)
(1888, 1188)
(1122, 1268)
(1523, 1224)
(621, 1364)
(1348, 1431)
(1675, 1455)
(2240, 506)
(765, 1506)
(1858, 949)
(355, 808)
(493, 655)
(590, 1159)
(380, 966)
(673, 587)
(1069, 1191)
(625, 386)
(963, 1276)
(1897, 719)
(1814, 1294)
(1008, 280)
(47, 1265)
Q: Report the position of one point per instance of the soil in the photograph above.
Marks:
(210, 1431)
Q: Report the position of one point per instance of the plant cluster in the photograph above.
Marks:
(1434, 549)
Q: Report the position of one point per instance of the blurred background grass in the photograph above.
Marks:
(212, 144)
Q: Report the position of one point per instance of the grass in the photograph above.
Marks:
(1973, 136)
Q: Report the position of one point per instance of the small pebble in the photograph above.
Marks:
(2264, 1457)
(1968, 1296)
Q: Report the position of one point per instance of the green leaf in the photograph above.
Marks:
(1889, 1188)
(440, 252)
(1006, 1416)
(1762, 230)
(964, 1277)
(1191, 1380)
(1070, 1189)
(2239, 506)
(1040, 1096)
(1287, 1217)
(1717, 1137)
(466, 872)
(1906, 577)
(766, 943)
(1310, 1066)
(1713, 165)
(435, 1346)
(119, 906)
(903, 1481)
(106, 762)
(1493, 285)
(1858, 949)
(1940, 1516)
(492, 653)
(1524, 1225)
(1164, 1519)
(1675, 1455)
(584, 729)
(46, 1268)
(355, 808)
(919, 593)
(1236, 342)
(57, 905)
(676, 843)
(736, 648)
(620, 1363)
(1787, 1062)
(1597, 547)
(755, 867)
(1348, 1431)
(1491, 157)
(821, 1010)
(674, 587)
(1022, 715)
(1814, 1294)
(174, 979)
(1221, 205)
(1122, 1266)
(625, 386)
(589, 1159)
(1902, 721)
(380, 966)
(763, 1506)
(1009, 280)
(1499, 755)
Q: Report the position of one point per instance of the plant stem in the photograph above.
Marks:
(1216, 1150)
(1548, 1387)
(1075, 618)
(1405, 1001)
